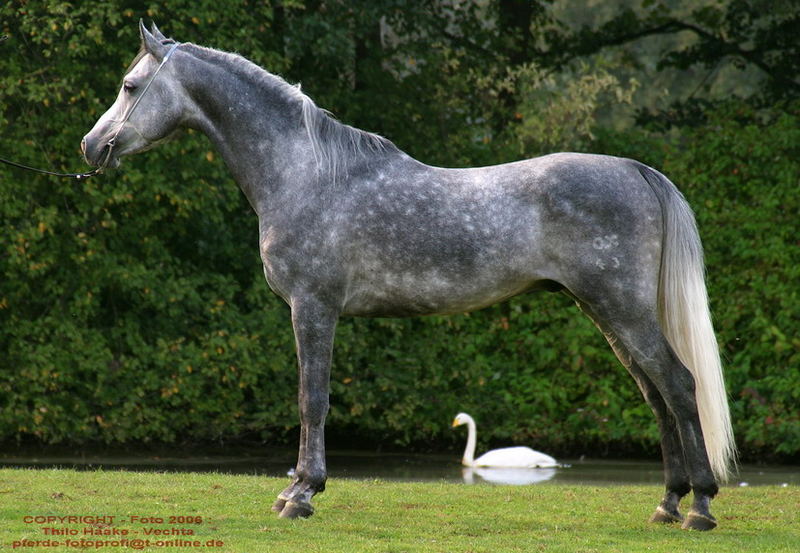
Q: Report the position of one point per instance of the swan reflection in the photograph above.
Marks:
(506, 475)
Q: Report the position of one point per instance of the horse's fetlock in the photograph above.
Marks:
(313, 479)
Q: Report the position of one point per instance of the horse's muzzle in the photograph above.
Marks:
(97, 152)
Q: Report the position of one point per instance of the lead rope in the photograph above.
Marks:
(111, 143)
(77, 176)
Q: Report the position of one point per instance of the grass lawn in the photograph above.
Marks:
(232, 514)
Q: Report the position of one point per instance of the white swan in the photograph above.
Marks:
(516, 457)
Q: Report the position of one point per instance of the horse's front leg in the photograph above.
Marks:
(314, 325)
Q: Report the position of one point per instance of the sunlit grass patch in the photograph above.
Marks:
(354, 516)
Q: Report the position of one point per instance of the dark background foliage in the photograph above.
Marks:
(133, 307)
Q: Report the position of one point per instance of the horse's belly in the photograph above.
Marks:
(403, 294)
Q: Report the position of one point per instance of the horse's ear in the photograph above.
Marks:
(156, 33)
(150, 43)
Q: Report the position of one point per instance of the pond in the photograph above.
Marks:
(370, 465)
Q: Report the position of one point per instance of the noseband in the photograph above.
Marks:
(109, 147)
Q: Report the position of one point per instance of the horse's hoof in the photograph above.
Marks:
(664, 516)
(698, 521)
(279, 504)
(296, 510)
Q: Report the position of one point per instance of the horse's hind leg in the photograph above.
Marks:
(652, 353)
(676, 477)
(669, 387)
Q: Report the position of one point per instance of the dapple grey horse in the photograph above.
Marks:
(349, 225)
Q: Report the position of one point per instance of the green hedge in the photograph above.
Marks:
(133, 306)
(741, 172)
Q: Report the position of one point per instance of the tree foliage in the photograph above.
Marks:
(755, 35)
(133, 307)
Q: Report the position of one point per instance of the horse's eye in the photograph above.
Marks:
(128, 86)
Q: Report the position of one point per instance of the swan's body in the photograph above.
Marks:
(509, 457)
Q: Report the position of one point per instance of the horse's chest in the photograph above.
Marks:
(296, 261)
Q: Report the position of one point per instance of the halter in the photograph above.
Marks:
(111, 143)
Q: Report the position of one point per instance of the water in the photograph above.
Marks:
(369, 466)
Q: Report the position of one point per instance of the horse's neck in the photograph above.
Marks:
(258, 131)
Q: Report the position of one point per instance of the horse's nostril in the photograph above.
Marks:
(83, 146)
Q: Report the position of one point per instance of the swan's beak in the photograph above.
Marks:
(455, 423)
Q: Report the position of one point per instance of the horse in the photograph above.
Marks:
(352, 226)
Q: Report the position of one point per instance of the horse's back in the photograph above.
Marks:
(424, 239)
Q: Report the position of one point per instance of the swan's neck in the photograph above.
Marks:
(469, 453)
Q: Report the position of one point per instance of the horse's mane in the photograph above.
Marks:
(335, 144)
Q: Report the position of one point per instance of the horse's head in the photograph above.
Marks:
(148, 108)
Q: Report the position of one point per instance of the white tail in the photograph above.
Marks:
(686, 321)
